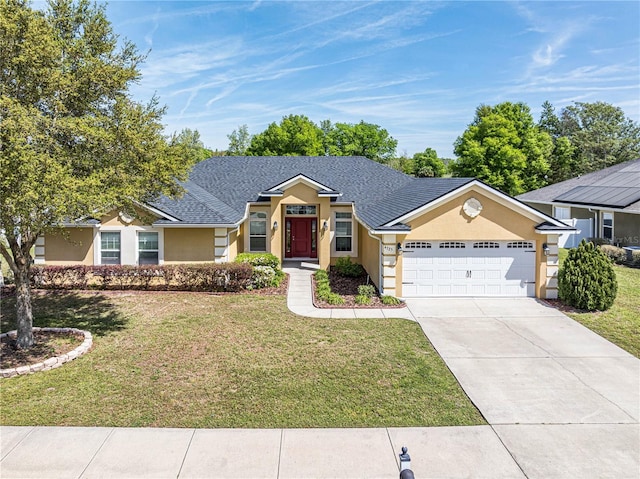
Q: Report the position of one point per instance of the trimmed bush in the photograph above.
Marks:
(586, 279)
(225, 277)
(367, 290)
(363, 299)
(635, 259)
(389, 300)
(259, 259)
(345, 267)
(266, 269)
(615, 254)
(60, 277)
(334, 299)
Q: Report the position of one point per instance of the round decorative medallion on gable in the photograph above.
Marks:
(472, 207)
(126, 218)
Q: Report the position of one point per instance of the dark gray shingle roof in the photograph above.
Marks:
(220, 187)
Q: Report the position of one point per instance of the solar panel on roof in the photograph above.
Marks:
(617, 197)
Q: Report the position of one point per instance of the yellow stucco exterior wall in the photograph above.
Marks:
(369, 254)
(188, 245)
(497, 221)
(76, 247)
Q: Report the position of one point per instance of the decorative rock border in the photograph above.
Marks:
(53, 362)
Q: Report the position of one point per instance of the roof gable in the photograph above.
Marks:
(487, 190)
(323, 190)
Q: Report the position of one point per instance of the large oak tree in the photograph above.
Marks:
(72, 140)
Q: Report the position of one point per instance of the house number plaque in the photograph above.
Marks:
(388, 249)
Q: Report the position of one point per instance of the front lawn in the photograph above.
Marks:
(201, 360)
(621, 323)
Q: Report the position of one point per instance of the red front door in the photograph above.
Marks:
(300, 238)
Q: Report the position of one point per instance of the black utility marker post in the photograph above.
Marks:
(405, 465)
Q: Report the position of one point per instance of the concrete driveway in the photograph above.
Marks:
(563, 400)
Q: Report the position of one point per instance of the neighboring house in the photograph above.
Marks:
(415, 237)
(603, 204)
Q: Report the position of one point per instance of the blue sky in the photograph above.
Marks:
(418, 69)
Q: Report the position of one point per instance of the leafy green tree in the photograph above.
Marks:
(72, 141)
(504, 148)
(562, 162)
(601, 135)
(427, 164)
(296, 135)
(239, 141)
(191, 142)
(361, 139)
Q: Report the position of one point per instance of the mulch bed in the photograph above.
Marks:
(347, 287)
(46, 345)
(560, 306)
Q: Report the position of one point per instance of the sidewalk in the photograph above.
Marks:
(59, 452)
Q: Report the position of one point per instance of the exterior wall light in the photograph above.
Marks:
(545, 249)
(275, 226)
(399, 248)
(325, 225)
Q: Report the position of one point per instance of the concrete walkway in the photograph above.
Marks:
(300, 299)
(561, 402)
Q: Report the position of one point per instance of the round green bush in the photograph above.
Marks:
(586, 279)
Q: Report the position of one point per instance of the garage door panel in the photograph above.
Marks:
(501, 269)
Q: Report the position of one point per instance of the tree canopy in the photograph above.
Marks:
(427, 164)
(296, 135)
(239, 141)
(194, 147)
(505, 148)
(360, 139)
(599, 135)
(72, 141)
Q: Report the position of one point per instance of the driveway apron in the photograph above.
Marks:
(564, 401)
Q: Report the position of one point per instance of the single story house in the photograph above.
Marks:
(604, 204)
(416, 237)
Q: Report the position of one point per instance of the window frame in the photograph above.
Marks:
(335, 220)
(563, 209)
(608, 227)
(109, 250)
(249, 235)
(139, 250)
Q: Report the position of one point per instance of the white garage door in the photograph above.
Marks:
(468, 268)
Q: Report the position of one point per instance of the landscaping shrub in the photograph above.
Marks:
(389, 300)
(367, 290)
(615, 254)
(334, 299)
(586, 279)
(60, 277)
(259, 259)
(266, 269)
(363, 299)
(635, 259)
(323, 289)
(345, 267)
(190, 277)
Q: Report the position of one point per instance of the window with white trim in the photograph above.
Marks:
(110, 247)
(343, 232)
(562, 212)
(300, 210)
(258, 231)
(607, 225)
(147, 247)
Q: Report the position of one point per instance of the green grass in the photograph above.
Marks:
(199, 360)
(620, 324)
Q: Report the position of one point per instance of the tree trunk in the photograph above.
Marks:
(24, 314)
